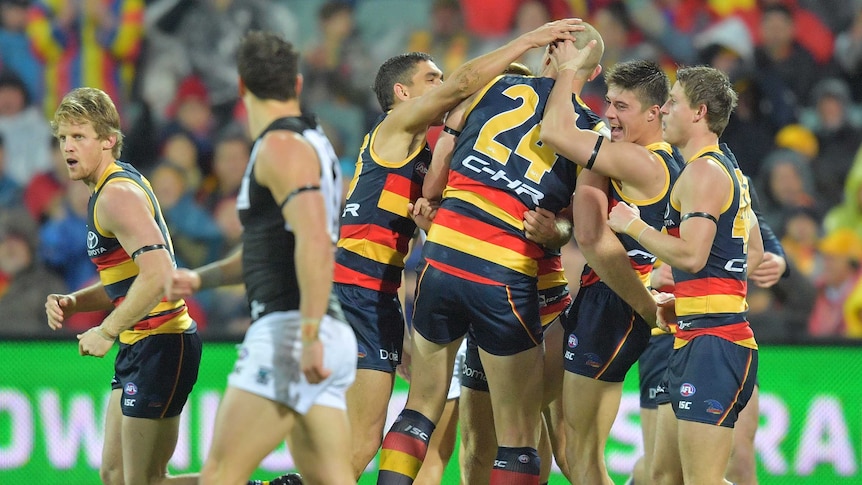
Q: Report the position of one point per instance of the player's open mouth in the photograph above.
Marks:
(616, 131)
(71, 162)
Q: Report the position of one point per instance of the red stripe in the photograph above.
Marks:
(400, 185)
(509, 204)
(177, 377)
(348, 276)
(518, 316)
(488, 233)
(550, 265)
(406, 444)
(645, 268)
(111, 259)
(557, 307)
(378, 234)
(733, 333)
(710, 286)
(462, 274)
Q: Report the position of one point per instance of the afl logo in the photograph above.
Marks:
(573, 341)
(92, 240)
(131, 389)
(687, 389)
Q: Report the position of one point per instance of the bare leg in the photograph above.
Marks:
(742, 469)
(318, 445)
(478, 441)
(589, 423)
(666, 467)
(704, 452)
(367, 403)
(111, 471)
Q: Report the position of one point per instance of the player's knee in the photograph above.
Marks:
(111, 475)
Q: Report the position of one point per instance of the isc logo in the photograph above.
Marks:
(685, 405)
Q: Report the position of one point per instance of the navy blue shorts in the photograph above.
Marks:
(505, 319)
(377, 320)
(651, 368)
(604, 335)
(710, 380)
(156, 374)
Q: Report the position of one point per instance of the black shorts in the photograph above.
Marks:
(378, 322)
(651, 368)
(604, 335)
(157, 374)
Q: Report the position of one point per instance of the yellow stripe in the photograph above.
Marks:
(481, 249)
(372, 250)
(654, 148)
(119, 272)
(400, 462)
(483, 203)
(176, 325)
(478, 97)
(394, 203)
(551, 280)
(710, 304)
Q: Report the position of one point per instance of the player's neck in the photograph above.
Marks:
(261, 113)
(697, 143)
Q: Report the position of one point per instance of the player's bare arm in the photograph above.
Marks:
(305, 213)
(703, 187)
(186, 282)
(602, 249)
(409, 119)
(125, 211)
(628, 162)
(438, 171)
(92, 298)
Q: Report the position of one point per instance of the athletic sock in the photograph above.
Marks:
(515, 466)
(404, 448)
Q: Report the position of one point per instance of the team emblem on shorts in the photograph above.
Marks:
(687, 389)
(714, 407)
(131, 389)
(573, 340)
(593, 360)
(361, 353)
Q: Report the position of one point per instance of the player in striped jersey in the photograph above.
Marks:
(711, 371)
(160, 350)
(604, 335)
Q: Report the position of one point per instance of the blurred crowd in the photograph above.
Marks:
(796, 64)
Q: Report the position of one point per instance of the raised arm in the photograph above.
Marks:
(414, 115)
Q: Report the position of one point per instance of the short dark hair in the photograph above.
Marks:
(268, 65)
(397, 69)
(710, 87)
(645, 79)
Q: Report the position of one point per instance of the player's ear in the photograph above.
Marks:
(400, 91)
(108, 143)
(596, 72)
(299, 85)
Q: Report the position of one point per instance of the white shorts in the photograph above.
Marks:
(269, 362)
(455, 383)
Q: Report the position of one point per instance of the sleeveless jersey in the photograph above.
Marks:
(712, 301)
(499, 170)
(268, 267)
(375, 225)
(117, 270)
(653, 211)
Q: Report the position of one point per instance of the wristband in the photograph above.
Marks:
(310, 327)
(638, 238)
(101, 332)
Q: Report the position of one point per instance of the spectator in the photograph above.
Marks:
(24, 129)
(10, 191)
(848, 54)
(190, 115)
(784, 183)
(779, 52)
(15, 53)
(210, 32)
(808, 30)
(801, 231)
(43, 196)
(63, 239)
(232, 151)
(197, 239)
(838, 136)
(91, 43)
(848, 214)
(445, 38)
(842, 253)
(25, 281)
